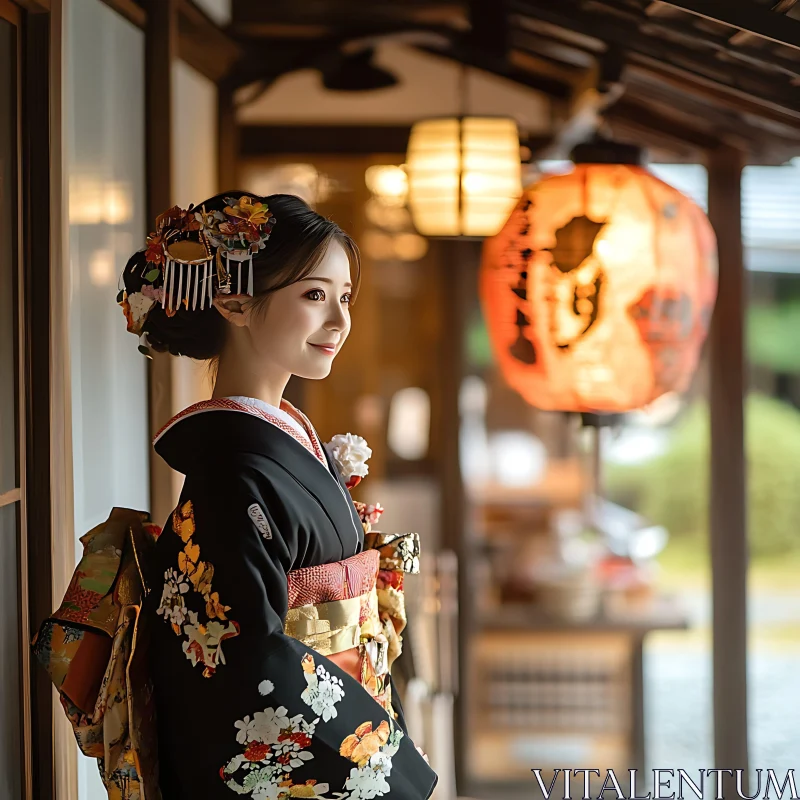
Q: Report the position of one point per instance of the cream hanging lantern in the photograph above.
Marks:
(464, 174)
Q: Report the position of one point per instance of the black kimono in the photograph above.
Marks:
(243, 708)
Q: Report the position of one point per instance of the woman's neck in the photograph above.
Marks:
(237, 379)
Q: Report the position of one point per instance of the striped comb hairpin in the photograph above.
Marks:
(195, 255)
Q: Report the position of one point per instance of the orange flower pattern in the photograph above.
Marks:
(275, 744)
(202, 639)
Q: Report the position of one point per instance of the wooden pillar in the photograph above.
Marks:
(457, 264)
(227, 139)
(161, 49)
(40, 66)
(728, 521)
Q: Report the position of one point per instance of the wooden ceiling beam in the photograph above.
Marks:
(683, 62)
(204, 45)
(664, 28)
(489, 28)
(741, 37)
(559, 53)
(344, 15)
(267, 59)
(640, 115)
(503, 68)
(748, 17)
(259, 141)
(637, 119)
(268, 140)
(741, 102)
(535, 63)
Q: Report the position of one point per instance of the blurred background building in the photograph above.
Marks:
(598, 590)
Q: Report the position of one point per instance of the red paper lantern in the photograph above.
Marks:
(598, 291)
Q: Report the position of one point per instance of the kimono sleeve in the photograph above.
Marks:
(245, 709)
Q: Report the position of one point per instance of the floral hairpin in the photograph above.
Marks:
(192, 248)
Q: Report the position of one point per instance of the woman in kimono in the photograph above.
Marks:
(273, 610)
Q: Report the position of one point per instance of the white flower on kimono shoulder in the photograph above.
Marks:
(350, 452)
(323, 691)
(265, 687)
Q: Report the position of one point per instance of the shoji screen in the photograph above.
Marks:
(105, 165)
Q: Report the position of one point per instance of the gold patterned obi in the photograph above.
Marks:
(93, 649)
(353, 611)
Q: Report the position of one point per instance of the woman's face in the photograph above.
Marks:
(303, 326)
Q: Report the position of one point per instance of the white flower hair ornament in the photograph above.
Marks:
(350, 452)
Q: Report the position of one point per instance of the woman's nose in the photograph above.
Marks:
(337, 321)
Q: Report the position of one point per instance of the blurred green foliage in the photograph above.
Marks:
(772, 335)
(672, 489)
(479, 346)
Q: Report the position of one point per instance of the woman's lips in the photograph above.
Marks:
(328, 349)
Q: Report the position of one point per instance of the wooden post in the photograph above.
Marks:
(458, 268)
(728, 520)
(228, 136)
(40, 136)
(161, 48)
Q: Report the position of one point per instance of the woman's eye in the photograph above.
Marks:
(316, 295)
(346, 298)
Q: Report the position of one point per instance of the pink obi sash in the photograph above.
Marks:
(353, 611)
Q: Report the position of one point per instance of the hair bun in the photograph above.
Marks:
(197, 334)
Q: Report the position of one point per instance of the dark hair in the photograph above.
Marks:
(295, 248)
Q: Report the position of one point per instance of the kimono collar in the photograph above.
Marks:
(310, 442)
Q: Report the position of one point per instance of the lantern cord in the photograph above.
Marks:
(586, 192)
(463, 91)
(597, 467)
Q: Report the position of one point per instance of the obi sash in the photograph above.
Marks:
(353, 611)
(94, 646)
(94, 651)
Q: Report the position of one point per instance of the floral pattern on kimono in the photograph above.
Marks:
(203, 638)
(275, 744)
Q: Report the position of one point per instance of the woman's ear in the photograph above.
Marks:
(234, 308)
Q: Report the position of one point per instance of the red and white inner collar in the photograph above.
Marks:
(260, 409)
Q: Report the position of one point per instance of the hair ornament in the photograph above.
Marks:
(191, 256)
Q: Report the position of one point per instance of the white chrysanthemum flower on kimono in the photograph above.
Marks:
(366, 783)
(245, 728)
(350, 452)
(323, 692)
(265, 687)
(267, 724)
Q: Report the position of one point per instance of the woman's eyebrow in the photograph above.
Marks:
(324, 280)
